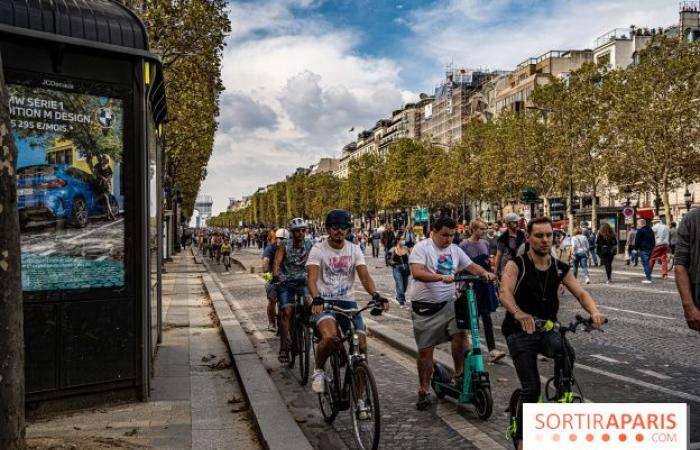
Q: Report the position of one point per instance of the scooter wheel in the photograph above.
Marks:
(483, 403)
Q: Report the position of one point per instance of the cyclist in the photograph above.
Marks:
(216, 242)
(331, 269)
(529, 290)
(268, 257)
(289, 273)
(434, 262)
(226, 251)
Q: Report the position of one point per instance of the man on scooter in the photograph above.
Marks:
(529, 290)
(434, 262)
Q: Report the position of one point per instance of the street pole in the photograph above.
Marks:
(570, 203)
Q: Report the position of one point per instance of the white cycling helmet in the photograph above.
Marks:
(282, 233)
(297, 223)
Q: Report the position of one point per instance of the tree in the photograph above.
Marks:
(12, 425)
(656, 118)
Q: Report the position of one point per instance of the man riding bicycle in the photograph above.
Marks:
(289, 273)
(268, 257)
(331, 269)
(530, 290)
(216, 242)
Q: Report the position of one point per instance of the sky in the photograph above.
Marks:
(299, 74)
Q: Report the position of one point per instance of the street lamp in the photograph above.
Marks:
(688, 197)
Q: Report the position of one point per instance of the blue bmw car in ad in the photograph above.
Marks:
(60, 192)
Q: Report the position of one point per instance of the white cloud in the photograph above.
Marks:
(483, 33)
(294, 89)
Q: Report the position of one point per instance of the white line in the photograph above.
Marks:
(643, 384)
(606, 359)
(637, 312)
(636, 274)
(651, 373)
(82, 235)
(633, 288)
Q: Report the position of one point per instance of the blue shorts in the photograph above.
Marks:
(287, 291)
(342, 320)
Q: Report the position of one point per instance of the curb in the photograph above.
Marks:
(276, 426)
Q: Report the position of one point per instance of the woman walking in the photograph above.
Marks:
(579, 252)
(399, 268)
(477, 249)
(606, 247)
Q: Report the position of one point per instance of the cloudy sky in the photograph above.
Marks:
(300, 73)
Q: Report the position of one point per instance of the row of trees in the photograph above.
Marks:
(637, 128)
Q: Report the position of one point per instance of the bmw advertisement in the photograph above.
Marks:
(69, 187)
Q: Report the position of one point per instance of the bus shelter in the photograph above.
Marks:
(87, 104)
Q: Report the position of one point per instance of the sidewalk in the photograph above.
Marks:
(196, 399)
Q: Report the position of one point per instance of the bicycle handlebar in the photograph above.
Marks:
(549, 325)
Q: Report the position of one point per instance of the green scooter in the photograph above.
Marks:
(475, 386)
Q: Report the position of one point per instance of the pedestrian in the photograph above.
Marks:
(591, 236)
(509, 242)
(662, 240)
(580, 251)
(409, 237)
(606, 247)
(363, 240)
(399, 269)
(673, 241)
(376, 239)
(477, 249)
(631, 254)
(644, 242)
(388, 238)
(687, 270)
(434, 263)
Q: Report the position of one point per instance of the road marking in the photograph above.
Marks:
(651, 373)
(633, 288)
(606, 359)
(635, 274)
(87, 233)
(637, 312)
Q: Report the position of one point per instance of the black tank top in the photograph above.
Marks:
(536, 291)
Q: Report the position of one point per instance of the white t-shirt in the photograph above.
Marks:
(443, 261)
(337, 269)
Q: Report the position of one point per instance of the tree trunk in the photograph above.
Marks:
(12, 428)
(545, 201)
(594, 209)
(667, 205)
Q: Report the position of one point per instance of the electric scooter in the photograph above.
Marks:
(474, 387)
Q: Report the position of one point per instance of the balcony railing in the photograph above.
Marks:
(617, 33)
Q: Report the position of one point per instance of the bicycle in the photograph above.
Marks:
(299, 338)
(344, 394)
(560, 387)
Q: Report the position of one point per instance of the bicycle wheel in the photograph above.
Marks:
(512, 417)
(364, 406)
(304, 344)
(327, 400)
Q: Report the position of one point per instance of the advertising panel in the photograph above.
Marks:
(70, 147)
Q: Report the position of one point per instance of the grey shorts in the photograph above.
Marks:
(430, 331)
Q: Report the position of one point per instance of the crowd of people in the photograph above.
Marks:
(517, 253)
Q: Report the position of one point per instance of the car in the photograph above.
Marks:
(59, 192)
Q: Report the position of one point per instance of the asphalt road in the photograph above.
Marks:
(646, 354)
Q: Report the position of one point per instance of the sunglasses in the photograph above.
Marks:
(337, 226)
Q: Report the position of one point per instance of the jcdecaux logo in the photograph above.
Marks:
(612, 426)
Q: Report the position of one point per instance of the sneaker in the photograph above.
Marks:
(645, 281)
(496, 355)
(424, 403)
(588, 280)
(362, 410)
(318, 381)
(608, 282)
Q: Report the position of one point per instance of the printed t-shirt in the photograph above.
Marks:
(337, 269)
(441, 261)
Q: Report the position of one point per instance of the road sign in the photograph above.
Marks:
(628, 212)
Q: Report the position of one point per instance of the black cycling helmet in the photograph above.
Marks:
(338, 217)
